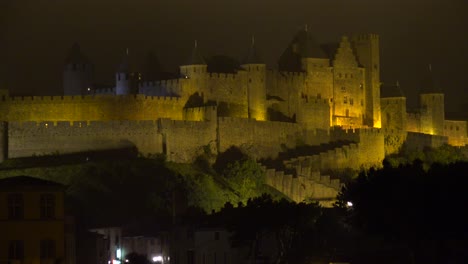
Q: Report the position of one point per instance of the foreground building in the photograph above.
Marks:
(33, 226)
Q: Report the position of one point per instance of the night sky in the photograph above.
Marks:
(35, 36)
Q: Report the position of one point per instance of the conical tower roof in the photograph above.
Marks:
(391, 90)
(428, 84)
(252, 55)
(308, 46)
(195, 58)
(75, 56)
(124, 65)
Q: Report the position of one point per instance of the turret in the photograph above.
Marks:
(77, 73)
(431, 100)
(367, 49)
(195, 71)
(126, 81)
(256, 83)
(195, 66)
(393, 104)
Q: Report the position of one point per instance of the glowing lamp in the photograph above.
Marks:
(157, 259)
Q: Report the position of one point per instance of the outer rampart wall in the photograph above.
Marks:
(304, 185)
(418, 141)
(30, 138)
(183, 141)
(394, 140)
(258, 139)
(371, 144)
(457, 132)
(99, 107)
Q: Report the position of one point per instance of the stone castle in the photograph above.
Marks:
(327, 96)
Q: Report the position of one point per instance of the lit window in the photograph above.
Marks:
(47, 249)
(15, 206)
(47, 206)
(16, 249)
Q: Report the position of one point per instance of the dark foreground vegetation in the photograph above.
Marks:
(410, 211)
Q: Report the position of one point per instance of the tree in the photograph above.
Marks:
(412, 207)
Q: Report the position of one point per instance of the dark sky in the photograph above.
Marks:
(35, 35)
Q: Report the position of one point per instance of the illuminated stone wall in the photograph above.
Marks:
(26, 139)
(304, 185)
(349, 91)
(256, 138)
(371, 149)
(183, 141)
(89, 108)
(457, 132)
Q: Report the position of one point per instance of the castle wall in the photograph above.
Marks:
(256, 138)
(457, 132)
(370, 144)
(44, 138)
(432, 114)
(419, 141)
(413, 122)
(163, 88)
(86, 108)
(394, 113)
(310, 185)
(230, 91)
(183, 141)
(288, 87)
(394, 140)
(314, 113)
(204, 113)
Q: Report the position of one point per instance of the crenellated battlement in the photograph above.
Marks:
(222, 76)
(366, 36)
(85, 98)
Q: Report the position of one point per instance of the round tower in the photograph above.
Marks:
(122, 76)
(194, 70)
(77, 73)
(256, 84)
(432, 107)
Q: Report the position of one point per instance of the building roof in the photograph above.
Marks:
(308, 46)
(252, 55)
(391, 90)
(428, 84)
(302, 46)
(195, 58)
(124, 65)
(75, 56)
(27, 181)
(153, 70)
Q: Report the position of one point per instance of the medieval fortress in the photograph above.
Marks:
(328, 96)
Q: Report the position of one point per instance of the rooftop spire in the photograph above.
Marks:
(195, 57)
(252, 55)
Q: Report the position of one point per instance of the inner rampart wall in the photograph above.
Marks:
(87, 108)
